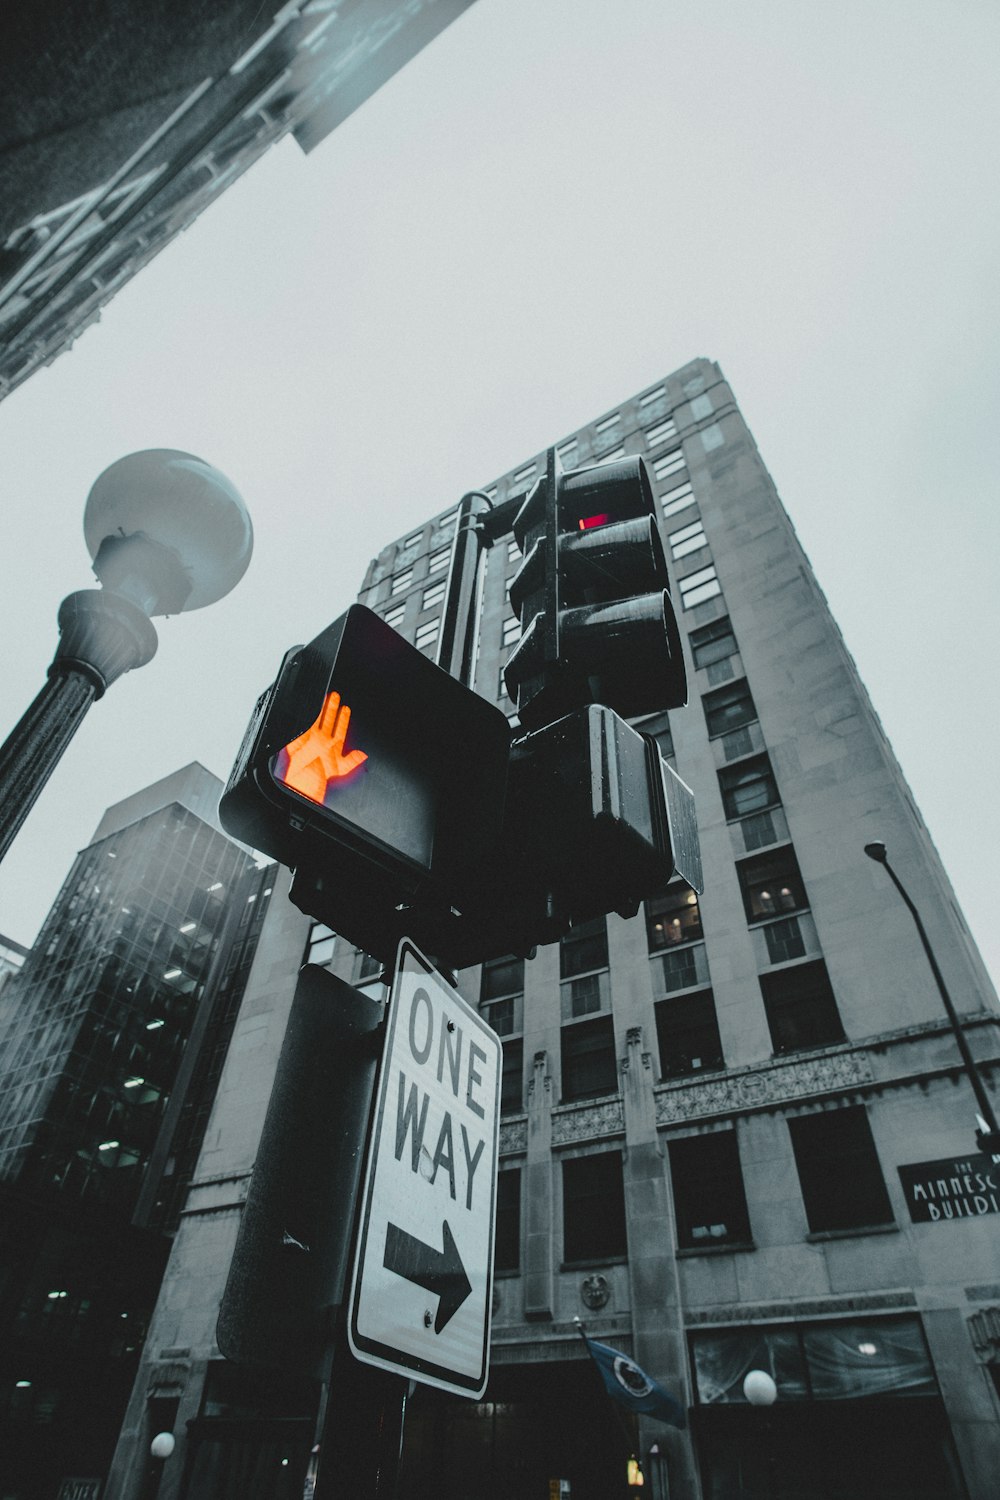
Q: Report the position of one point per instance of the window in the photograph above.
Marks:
(701, 407)
(433, 595)
(771, 884)
(712, 643)
(511, 1080)
(510, 630)
(501, 994)
(513, 550)
(688, 539)
(697, 587)
(568, 454)
(673, 917)
(801, 1008)
(507, 1241)
(401, 582)
(659, 728)
(660, 433)
(366, 967)
(522, 478)
(500, 977)
(688, 1034)
(427, 634)
(438, 559)
(709, 1201)
(606, 423)
(589, 1064)
(677, 499)
(728, 708)
(613, 455)
(670, 463)
(748, 788)
(594, 1208)
(839, 1171)
(394, 616)
(320, 944)
(502, 686)
(658, 394)
(411, 542)
(584, 948)
(712, 437)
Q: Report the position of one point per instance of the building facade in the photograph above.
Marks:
(111, 1037)
(126, 121)
(736, 1134)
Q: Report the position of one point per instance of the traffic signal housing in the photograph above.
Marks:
(373, 775)
(597, 621)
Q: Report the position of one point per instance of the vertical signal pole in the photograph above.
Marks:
(456, 653)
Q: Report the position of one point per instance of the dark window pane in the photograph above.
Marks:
(673, 918)
(749, 787)
(593, 1207)
(684, 968)
(712, 643)
(771, 885)
(585, 995)
(688, 1034)
(709, 1200)
(502, 976)
(728, 708)
(878, 1357)
(511, 1080)
(508, 1222)
(659, 728)
(801, 1008)
(839, 1171)
(784, 940)
(368, 967)
(500, 1015)
(585, 948)
(589, 1065)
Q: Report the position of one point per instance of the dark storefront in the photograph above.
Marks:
(858, 1417)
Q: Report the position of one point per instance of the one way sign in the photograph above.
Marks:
(423, 1271)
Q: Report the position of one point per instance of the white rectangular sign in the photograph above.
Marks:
(423, 1270)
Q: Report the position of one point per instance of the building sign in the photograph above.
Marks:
(959, 1187)
(421, 1299)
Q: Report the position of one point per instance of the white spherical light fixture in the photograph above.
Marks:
(759, 1388)
(163, 1445)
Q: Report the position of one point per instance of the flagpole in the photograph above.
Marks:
(631, 1443)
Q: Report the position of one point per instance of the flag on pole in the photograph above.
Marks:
(629, 1385)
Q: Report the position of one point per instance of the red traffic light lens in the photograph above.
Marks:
(586, 522)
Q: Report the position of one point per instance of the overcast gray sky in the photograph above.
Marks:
(557, 202)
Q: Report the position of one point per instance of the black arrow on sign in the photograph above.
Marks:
(437, 1271)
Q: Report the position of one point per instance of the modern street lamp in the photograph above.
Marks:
(166, 533)
(988, 1137)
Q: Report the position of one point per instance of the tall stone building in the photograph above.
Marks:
(736, 1134)
(111, 1040)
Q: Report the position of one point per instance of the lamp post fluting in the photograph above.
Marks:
(166, 533)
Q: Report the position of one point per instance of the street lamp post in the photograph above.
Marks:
(166, 533)
(989, 1138)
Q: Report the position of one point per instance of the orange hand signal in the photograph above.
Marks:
(317, 757)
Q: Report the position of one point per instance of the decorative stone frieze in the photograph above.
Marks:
(513, 1136)
(764, 1086)
(763, 1312)
(587, 1121)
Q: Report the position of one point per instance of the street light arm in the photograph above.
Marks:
(971, 1066)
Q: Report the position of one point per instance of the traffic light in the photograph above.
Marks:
(596, 820)
(373, 775)
(597, 622)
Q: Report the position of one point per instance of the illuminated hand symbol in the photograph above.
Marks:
(317, 757)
